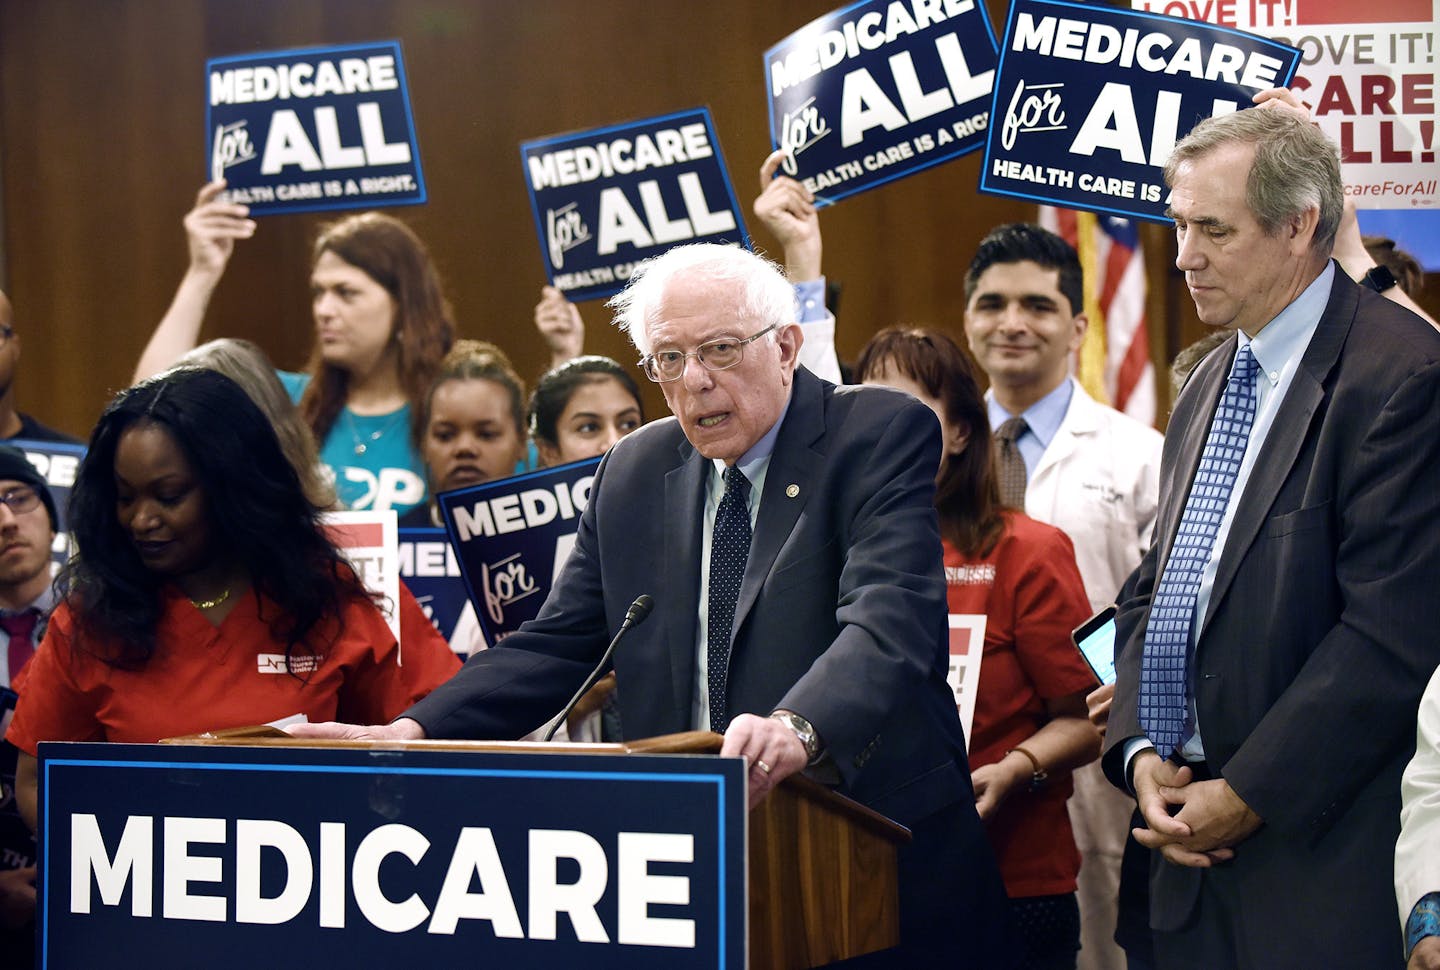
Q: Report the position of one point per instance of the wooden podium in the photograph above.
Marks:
(822, 867)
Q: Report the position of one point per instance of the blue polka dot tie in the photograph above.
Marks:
(1163, 675)
(729, 548)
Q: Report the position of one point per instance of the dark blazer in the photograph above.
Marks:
(1320, 635)
(841, 616)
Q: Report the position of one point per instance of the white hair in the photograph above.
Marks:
(765, 296)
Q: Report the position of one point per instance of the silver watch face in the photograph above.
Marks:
(803, 731)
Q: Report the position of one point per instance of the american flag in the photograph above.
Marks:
(1114, 361)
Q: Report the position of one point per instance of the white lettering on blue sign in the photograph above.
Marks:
(1078, 40)
(863, 105)
(353, 75)
(870, 31)
(586, 163)
(288, 144)
(308, 870)
(524, 510)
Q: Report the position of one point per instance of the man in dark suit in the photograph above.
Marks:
(817, 644)
(1280, 630)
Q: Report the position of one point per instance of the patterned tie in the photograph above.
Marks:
(1009, 464)
(729, 548)
(1163, 677)
(21, 628)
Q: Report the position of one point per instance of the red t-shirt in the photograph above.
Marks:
(1031, 594)
(202, 677)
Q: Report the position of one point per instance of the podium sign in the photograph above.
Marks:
(158, 856)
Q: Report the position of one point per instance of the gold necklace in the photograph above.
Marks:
(211, 604)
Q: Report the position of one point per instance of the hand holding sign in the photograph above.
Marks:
(560, 325)
(212, 227)
(787, 209)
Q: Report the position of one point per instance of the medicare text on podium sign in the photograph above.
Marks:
(161, 856)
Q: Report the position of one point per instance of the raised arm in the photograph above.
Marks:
(787, 209)
(211, 227)
(560, 326)
(1356, 261)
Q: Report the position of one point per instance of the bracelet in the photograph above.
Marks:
(1038, 774)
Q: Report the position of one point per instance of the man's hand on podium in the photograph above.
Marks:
(403, 729)
(774, 751)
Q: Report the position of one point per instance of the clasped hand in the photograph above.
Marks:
(1209, 819)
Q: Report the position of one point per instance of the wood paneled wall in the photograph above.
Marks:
(102, 149)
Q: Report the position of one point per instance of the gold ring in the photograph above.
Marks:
(762, 766)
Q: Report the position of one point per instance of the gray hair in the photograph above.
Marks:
(246, 364)
(765, 297)
(1296, 167)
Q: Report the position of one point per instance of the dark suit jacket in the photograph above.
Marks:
(1320, 634)
(841, 616)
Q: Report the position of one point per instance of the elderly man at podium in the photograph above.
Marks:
(785, 528)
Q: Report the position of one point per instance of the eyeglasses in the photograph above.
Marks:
(21, 500)
(722, 353)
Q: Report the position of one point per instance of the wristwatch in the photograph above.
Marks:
(805, 731)
(1379, 279)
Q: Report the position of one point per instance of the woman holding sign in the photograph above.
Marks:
(382, 326)
(1030, 727)
(204, 593)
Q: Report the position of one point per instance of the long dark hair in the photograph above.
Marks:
(390, 253)
(555, 388)
(256, 504)
(967, 496)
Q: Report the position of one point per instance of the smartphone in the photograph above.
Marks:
(1096, 640)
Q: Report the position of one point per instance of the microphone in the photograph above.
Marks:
(634, 616)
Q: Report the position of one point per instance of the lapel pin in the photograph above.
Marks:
(792, 490)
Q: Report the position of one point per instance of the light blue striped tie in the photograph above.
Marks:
(1163, 676)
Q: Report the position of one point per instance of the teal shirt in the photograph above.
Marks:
(370, 457)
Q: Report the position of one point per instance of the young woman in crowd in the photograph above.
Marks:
(581, 408)
(382, 326)
(1030, 727)
(473, 421)
(204, 593)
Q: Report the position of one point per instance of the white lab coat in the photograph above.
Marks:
(1417, 852)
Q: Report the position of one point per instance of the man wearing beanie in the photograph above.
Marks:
(27, 532)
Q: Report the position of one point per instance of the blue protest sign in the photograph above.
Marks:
(429, 566)
(180, 856)
(511, 537)
(1090, 99)
(57, 462)
(608, 198)
(318, 128)
(879, 90)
